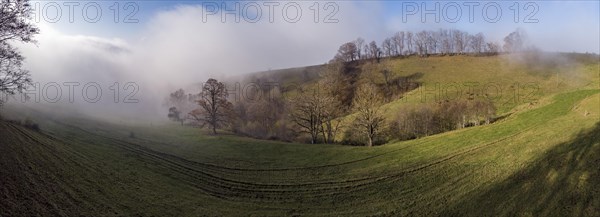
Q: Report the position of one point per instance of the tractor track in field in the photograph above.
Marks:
(172, 161)
(229, 188)
(278, 169)
(27, 135)
(225, 168)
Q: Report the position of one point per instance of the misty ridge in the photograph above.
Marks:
(103, 78)
(114, 79)
(291, 104)
(165, 59)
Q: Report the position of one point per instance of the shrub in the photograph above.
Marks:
(354, 137)
(441, 117)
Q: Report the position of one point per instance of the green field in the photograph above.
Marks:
(542, 159)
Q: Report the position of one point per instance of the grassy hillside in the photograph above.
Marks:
(510, 80)
(541, 160)
(513, 82)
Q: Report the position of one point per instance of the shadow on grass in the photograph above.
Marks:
(565, 181)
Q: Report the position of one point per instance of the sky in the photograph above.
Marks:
(575, 24)
(154, 47)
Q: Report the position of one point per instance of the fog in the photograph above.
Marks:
(175, 49)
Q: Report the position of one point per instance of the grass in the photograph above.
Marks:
(505, 79)
(509, 83)
(73, 168)
(541, 160)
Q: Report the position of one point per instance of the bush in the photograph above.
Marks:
(354, 137)
(441, 117)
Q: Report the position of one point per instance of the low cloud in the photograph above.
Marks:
(176, 49)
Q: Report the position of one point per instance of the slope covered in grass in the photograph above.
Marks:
(540, 159)
(80, 166)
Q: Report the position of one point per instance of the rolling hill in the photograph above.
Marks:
(542, 159)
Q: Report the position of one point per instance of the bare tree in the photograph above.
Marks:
(369, 118)
(178, 103)
(515, 41)
(432, 42)
(393, 46)
(330, 124)
(264, 115)
(398, 40)
(315, 110)
(15, 25)
(409, 42)
(366, 53)
(445, 42)
(347, 52)
(443, 116)
(332, 84)
(307, 112)
(461, 41)
(492, 48)
(374, 51)
(214, 109)
(387, 47)
(175, 115)
(421, 43)
(359, 43)
(477, 43)
(262, 112)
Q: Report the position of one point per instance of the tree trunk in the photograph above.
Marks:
(325, 138)
(214, 129)
(370, 141)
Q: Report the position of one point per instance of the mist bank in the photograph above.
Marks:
(174, 49)
(117, 78)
